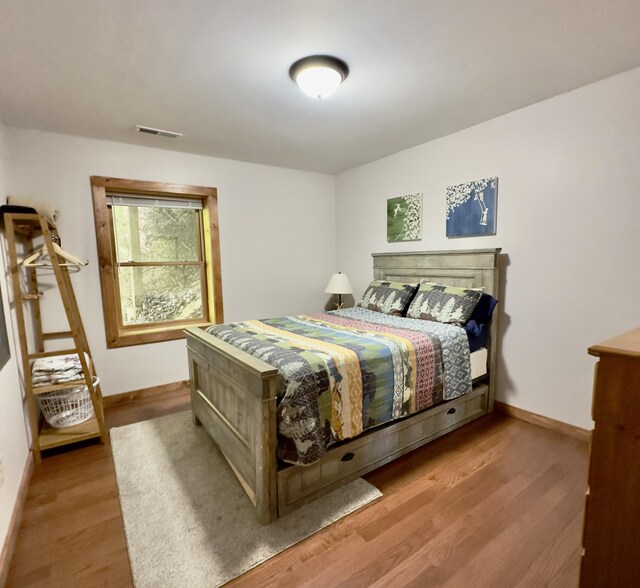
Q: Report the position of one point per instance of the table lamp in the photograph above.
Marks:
(339, 284)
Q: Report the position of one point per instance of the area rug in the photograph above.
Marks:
(187, 520)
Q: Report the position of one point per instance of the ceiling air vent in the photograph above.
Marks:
(158, 132)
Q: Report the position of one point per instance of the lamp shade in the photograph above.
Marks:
(339, 284)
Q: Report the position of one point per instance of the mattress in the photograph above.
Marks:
(479, 363)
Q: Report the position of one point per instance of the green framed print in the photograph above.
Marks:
(404, 218)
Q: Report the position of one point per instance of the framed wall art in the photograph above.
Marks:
(472, 208)
(404, 218)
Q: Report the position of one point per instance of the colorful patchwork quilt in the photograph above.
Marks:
(349, 370)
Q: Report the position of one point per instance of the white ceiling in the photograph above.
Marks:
(217, 70)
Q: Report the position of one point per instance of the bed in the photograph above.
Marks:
(234, 395)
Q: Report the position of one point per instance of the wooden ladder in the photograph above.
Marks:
(25, 228)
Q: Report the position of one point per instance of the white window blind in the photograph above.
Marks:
(139, 200)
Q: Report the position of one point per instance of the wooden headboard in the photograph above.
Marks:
(467, 268)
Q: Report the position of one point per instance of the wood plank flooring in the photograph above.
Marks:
(498, 503)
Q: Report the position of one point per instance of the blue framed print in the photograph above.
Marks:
(472, 208)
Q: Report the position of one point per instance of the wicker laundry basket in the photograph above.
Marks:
(68, 407)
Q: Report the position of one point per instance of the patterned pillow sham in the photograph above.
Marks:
(389, 297)
(445, 304)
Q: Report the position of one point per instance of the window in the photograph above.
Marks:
(159, 258)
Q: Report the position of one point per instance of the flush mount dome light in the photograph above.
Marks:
(319, 75)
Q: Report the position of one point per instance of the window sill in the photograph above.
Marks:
(142, 336)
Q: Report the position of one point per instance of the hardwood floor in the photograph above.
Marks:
(498, 503)
(72, 533)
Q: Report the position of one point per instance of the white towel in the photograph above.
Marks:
(56, 363)
(57, 369)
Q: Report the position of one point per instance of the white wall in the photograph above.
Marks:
(568, 220)
(14, 448)
(568, 209)
(277, 235)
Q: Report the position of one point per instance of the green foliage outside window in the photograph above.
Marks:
(146, 237)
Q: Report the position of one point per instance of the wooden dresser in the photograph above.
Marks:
(611, 537)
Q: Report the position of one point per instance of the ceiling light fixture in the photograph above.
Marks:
(319, 75)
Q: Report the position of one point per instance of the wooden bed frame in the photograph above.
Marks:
(233, 395)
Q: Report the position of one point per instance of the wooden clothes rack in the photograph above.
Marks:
(25, 228)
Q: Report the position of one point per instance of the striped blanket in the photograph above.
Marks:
(346, 371)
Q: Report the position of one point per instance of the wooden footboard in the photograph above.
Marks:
(233, 395)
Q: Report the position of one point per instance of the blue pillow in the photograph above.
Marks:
(482, 311)
(477, 327)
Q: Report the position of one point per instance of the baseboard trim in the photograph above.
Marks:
(543, 421)
(175, 388)
(16, 518)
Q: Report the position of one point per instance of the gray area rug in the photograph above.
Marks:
(186, 518)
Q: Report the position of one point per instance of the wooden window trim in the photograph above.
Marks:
(116, 334)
